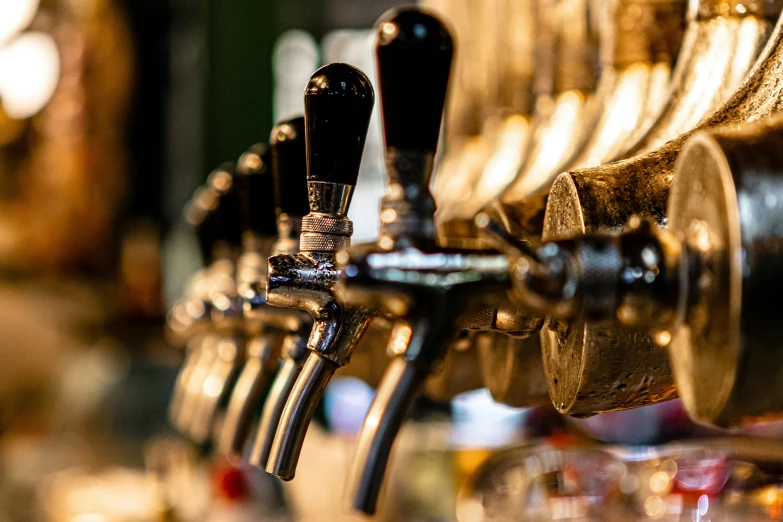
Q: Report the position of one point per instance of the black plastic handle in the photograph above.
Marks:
(255, 196)
(338, 104)
(200, 214)
(227, 213)
(414, 50)
(289, 165)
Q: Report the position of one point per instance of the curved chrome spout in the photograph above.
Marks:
(218, 383)
(192, 357)
(327, 355)
(248, 392)
(275, 403)
(206, 358)
(297, 414)
(398, 389)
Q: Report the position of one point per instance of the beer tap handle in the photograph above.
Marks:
(289, 167)
(338, 105)
(227, 218)
(200, 214)
(256, 203)
(413, 51)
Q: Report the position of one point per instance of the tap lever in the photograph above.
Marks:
(338, 104)
(413, 51)
(227, 218)
(256, 203)
(289, 167)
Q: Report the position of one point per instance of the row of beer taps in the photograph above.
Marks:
(613, 248)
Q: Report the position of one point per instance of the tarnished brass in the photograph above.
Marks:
(512, 369)
(721, 45)
(726, 205)
(717, 52)
(590, 362)
(492, 96)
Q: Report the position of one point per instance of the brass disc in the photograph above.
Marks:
(703, 212)
(727, 205)
(594, 368)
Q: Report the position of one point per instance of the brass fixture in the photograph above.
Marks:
(602, 200)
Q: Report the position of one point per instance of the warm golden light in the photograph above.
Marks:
(29, 74)
(15, 15)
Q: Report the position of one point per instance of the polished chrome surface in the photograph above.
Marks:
(259, 369)
(329, 198)
(393, 399)
(195, 384)
(406, 209)
(299, 409)
(294, 354)
(217, 386)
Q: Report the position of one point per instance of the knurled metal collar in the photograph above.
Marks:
(324, 233)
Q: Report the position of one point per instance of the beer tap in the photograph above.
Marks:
(289, 170)
(258, 217)
(190, 317)
(227, 320)
(218, 246)
(430, 291)
(601, 367)
(338, 103)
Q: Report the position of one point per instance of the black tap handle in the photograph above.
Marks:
(200, 214)
(338, 104)
(414, 51)
(255, 196)
(289, 165)
(227, 214)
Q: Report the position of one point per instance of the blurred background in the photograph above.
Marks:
(112, 113)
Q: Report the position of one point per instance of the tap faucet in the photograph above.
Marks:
(263, 341)
(190, 317)
(226, 313)
(289, 168)
(213, 234)
(338, 103)
(430, 291)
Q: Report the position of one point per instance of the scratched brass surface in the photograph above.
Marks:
(723, 49)
(602, 199)
(727, 206)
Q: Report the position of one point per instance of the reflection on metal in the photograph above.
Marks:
(491, 97)
(719, 51)
(603, 200)
(726, 205)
